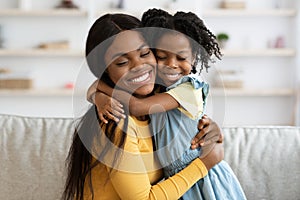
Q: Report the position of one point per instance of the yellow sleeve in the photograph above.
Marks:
(137, 186)
(189, 98)
(131, 185)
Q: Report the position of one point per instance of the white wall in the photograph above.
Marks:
(55, 72)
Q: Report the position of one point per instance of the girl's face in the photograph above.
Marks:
(131, 63)
(174, 57)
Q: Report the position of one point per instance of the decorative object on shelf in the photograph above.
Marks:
(230, 4)
(118, 4)
(55, 45)
(279, 42)
(25, 4)
(173, 5)
(15, 80)
(278, 4)
(222, 39)
(67, 4)
(1, 39)
(121, 4)
(69, 85)
(229, 78)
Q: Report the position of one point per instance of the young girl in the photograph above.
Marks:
(115, 160)
(183, 42)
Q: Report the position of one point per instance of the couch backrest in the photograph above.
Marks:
(32, 157)
(266, 160)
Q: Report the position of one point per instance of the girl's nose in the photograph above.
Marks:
(172, 63)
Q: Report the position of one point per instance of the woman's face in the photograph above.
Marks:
(131, 64)
(174, 57)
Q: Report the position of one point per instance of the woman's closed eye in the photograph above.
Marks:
(145, 53)
(122, 63)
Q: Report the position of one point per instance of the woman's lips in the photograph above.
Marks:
(141, 78)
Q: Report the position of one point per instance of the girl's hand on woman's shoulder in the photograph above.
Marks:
(108, 108)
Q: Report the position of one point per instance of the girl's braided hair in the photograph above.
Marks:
(203, 42)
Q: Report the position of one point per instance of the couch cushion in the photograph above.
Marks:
(266, 160)
(32, 156)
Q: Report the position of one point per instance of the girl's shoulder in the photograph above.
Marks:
(194, 80)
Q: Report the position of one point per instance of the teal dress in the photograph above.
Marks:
(173, 132)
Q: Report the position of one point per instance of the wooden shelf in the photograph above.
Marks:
(250, 13)
(284, 52)
(41, 52)
(242, 92)
(43, 13)
(37, 92)
(124, 11)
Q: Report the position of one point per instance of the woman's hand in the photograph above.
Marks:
(108, 107)
(215, 156)
(209, 133)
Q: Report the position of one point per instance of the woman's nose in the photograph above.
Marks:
(137, 64)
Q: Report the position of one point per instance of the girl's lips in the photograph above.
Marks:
(172, 76)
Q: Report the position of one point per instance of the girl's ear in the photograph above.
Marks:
(193, 59)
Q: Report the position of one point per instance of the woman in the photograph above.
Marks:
(116, 160)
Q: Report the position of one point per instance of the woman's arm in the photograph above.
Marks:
(137, 186)
(209, 132)
(130, 185)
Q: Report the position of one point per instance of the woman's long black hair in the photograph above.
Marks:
(203, 41)
(80, 159)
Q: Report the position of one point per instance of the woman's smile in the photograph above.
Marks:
(142, 79)
(132, 65)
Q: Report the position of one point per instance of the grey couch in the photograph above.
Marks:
(266, 160)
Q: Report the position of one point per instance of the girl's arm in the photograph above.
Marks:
(184, 95)
(138, 107)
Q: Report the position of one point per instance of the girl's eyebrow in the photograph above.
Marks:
(124, 54)
(179, 52)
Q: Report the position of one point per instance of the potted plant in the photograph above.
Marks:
(222, 39)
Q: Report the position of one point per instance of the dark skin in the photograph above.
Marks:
(209, 132)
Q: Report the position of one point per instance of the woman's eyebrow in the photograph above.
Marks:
(124, 54)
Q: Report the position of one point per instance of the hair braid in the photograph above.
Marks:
(191, 25)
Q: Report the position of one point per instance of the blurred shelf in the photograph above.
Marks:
(238, 92)
(242, 92)
(41, 52)
(36, 92)
(284, 52)
(42, 13)
(124, 11)
(250, 13)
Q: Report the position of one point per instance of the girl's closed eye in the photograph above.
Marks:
(161, 56)
(181, 58)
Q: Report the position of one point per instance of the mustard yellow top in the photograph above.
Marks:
(137, 175)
